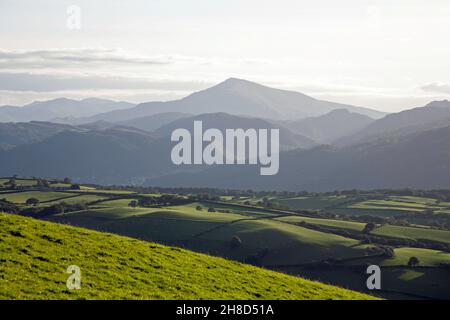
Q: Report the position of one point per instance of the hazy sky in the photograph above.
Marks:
(385, 54)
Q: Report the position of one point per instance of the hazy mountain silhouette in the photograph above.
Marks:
(59, 110)
(15, 134)
(154, 122)
(111, 153)
(434, 115)
(238, 97)
(106, 156)
(419, 160)
(223, 121)
(331, 126)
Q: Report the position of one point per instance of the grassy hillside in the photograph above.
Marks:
(34, 256)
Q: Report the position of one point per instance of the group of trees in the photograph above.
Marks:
(163, 200)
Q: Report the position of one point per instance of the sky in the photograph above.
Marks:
(383, 54)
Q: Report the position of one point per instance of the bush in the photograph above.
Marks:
(236, 242)
(32, 202)
(211, 210)
(133, 203)
(369, 227)
(413, 262)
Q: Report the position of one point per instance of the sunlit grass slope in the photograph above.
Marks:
(34, 256)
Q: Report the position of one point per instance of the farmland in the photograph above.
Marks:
(298, 235)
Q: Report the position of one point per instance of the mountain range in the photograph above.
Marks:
(60, 110)
(324, 146)
(233, 96)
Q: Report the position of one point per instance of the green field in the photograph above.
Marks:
(212, 232)
(20, 182)
(349, 225)
(389, 206)
(313, 202)
(42, 196)
(426, 257)
(413, 233)
(34, 256)
(275, 237)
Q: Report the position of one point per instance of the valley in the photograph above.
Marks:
(318, 236)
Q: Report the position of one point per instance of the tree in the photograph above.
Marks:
(199, 208)
(413, 262)
(211, 210)
(236, 242)
(42, 183)
(67, 180)
(388, 252)
(12, 183)
(133, 203)
(32, 202)
(369, 227)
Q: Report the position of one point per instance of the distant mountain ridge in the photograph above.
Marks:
(238, 97)
(420, 160)
(60, 109)
(331, 126)
(154, 122)
(435, 114)
(222, 121)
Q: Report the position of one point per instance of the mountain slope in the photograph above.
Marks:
(420, 160)
(15, 134)
(154, 122)
(223, 121)
(35, 255)
(331, 126)
(116, 155)
(239, 97)
(60, 108)
(434, 115)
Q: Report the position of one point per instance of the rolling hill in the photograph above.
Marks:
(34, 256)
(238, 97)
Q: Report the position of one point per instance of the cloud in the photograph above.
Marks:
(56, 82)
(437, 87)
(84, 56)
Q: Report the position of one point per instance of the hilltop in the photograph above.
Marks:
(34, 256)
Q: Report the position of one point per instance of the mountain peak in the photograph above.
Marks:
(231, 82)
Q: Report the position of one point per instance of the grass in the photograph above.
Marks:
(212, 232)
(426, 257)
(20, 182)
(103, 191)
(78, 199)
(349, 225)
(348, 205)
(313, 202)
(285, 243)
(34, 256)
(21, 197)
(413, 233)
